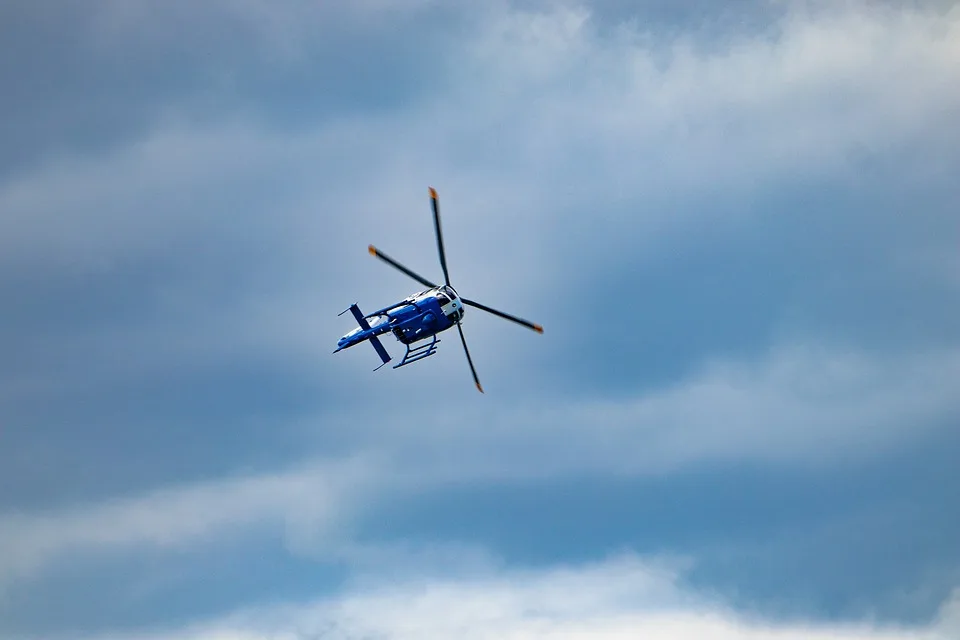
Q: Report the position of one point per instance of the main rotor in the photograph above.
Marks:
(434, 200)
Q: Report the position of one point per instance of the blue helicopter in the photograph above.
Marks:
(416, 320)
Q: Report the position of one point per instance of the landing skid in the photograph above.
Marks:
(420, 352)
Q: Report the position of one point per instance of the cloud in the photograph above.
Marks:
(313, 502)
(805, 407)
(102, 73)
(639, 119)
(799, 406)
(622, 597)
(652, 139)
(188, 205)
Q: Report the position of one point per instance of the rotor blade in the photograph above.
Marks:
(476, 380)
(436, 224)
(507, 316)
(393, 263)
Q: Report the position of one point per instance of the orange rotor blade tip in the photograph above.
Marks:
(538, 328)
(433, 193)
(479, 387)
(372, 249)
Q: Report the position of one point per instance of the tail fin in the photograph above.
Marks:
(378, 347)
(374, 340)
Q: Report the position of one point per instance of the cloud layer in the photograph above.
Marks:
(622, 597)
(737, 227)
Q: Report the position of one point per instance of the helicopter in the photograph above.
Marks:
(417, 320)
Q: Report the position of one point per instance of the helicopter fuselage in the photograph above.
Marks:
(418, 317)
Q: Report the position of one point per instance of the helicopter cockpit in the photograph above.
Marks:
(450, 303)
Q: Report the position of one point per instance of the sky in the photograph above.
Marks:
(737, 223)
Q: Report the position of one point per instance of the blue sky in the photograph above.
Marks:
(737, 225)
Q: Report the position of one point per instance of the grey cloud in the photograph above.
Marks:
(782, 412)
(85, 78)
(229, 267)
(867, 538)
(656, 204)
(311, 500)
(200, 253)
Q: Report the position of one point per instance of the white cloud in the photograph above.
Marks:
(623, 597)
(795, 98)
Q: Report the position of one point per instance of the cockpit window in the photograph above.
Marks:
(445, 296)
